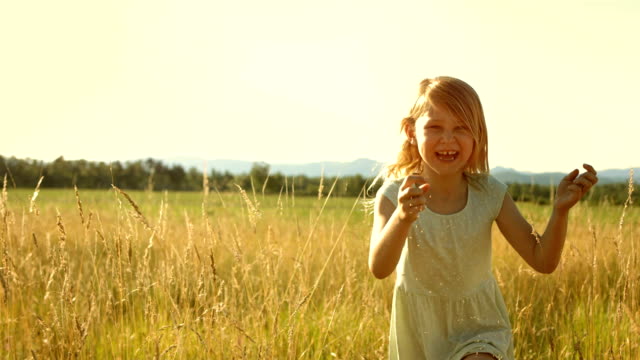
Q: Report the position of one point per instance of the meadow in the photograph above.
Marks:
(109, 274)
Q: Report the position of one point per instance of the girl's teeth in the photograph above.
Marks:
(447, 155)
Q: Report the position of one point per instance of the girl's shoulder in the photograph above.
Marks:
(390, 188)
(490, 191)
(487, 183)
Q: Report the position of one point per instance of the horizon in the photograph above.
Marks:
(176, 160)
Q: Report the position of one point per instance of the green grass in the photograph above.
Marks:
(208, 281)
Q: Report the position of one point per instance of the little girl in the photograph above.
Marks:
(432, 224)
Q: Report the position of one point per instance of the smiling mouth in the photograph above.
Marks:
(449, 155)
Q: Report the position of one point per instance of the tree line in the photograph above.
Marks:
(151, 174)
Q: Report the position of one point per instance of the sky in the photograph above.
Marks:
(300, 81)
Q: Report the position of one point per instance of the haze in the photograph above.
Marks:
(298, 81)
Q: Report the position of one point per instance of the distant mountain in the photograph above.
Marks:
(368, 167)
(621, 174)
(365, 167)
(507, 175)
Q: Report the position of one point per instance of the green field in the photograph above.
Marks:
(227, 276)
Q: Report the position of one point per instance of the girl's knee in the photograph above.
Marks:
(480, 356)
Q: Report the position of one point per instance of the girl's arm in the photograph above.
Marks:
(391, 225)
(543, 252)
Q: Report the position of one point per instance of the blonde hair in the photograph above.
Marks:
(459, 99)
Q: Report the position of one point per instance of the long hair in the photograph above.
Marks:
(458, 98)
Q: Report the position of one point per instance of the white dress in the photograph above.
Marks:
(446, 302)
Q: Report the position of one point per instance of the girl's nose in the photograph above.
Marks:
(448, 136)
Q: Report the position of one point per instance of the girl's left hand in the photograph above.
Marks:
(573, 187)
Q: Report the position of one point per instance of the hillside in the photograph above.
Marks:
(368, 168)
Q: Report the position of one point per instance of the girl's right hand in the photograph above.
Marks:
(411, 198)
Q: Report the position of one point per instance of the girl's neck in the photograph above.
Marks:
(449, 185)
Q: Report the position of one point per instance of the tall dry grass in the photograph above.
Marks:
(232, 276)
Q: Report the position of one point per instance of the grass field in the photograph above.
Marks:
(234, 276)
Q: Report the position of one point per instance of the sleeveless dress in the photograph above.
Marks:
(446, 302)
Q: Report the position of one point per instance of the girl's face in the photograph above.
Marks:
(445, 143)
